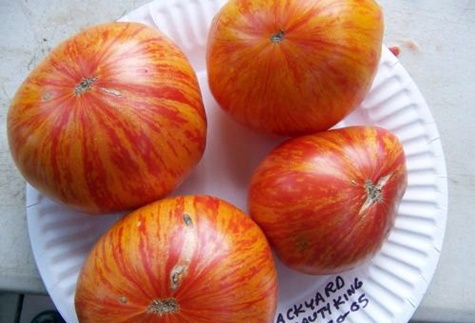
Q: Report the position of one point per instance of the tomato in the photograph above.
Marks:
(328, 201)
(110, 120)
(189, 258)
(293, 67)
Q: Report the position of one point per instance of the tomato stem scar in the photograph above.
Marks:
(84, 85)
(374, 192)
(278, 36)
(161, 307)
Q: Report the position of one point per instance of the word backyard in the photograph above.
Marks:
(332, 305)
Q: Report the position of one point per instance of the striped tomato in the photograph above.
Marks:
(293, 67)
(327, 201)
(184, 259)
(111, 119)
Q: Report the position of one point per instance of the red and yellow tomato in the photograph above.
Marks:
(328, 201)
(293, 67)
(184, 259)
(111, 119)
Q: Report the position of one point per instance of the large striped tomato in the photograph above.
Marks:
(327, 201)
(293, 66)
(184, 259)
(111, 119)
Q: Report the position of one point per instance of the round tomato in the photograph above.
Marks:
(183, 259)
(293, 67)
(111, 119)
(327, 201)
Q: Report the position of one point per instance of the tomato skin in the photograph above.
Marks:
(198, 252)
(293, 67)
(310, 196)
(110, 120)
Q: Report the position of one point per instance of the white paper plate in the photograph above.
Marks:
(388, 289)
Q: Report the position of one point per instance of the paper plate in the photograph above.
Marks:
(388, 289)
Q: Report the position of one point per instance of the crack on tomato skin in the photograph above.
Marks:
(162, 307)
(111, 91)
(188, 220)
(176, 276)
(46, 96)
(278, 37)
(179, 271)
(85, 85)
